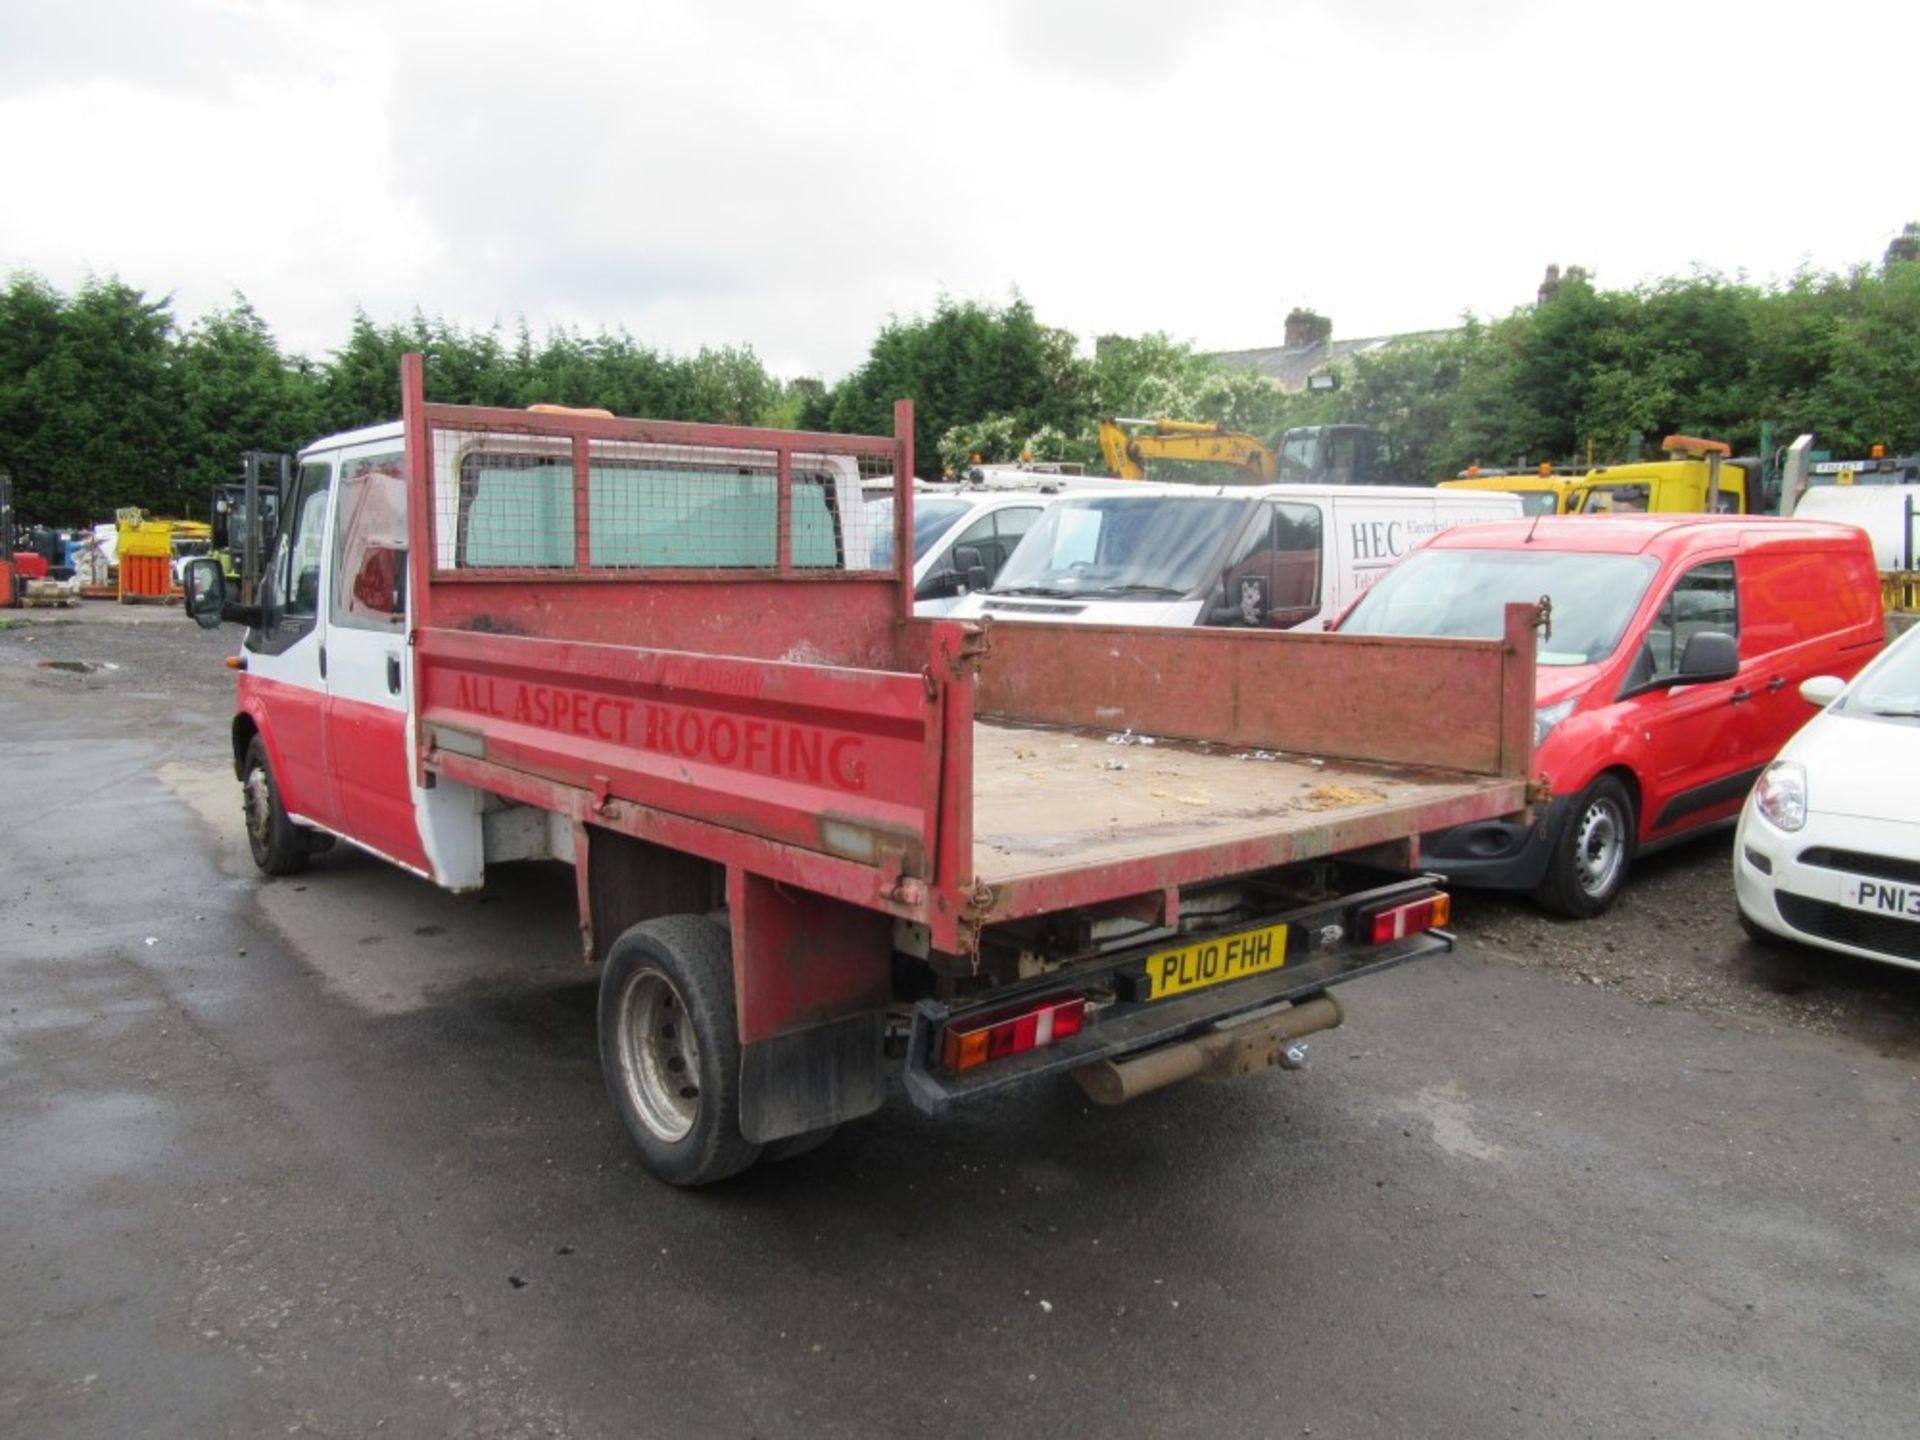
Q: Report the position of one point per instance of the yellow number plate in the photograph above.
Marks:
(1214, 961)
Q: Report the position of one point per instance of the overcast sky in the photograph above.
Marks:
(787, 175)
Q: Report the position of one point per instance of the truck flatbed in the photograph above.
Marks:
(1048, 801)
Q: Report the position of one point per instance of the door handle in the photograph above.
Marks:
(1779, 682)
(393, 674)
(1742, 694)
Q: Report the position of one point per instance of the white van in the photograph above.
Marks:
(1282, 556)
(963, 535)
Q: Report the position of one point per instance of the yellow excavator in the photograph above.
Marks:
(1308, 454)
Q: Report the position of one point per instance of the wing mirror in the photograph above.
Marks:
(208, 601)
(967, 562)
(1822, 690)
(1710, 655)
(206, 586)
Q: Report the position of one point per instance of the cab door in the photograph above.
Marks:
(368, 736)
(1698, 738)
(284, 686)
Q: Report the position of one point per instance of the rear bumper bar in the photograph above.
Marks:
(1124, 1028)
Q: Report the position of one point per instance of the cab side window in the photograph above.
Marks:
(1274, 576)
(992, 537)
(1702, 599)
(370, 545)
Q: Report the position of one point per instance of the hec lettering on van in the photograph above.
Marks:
(1379, 539)
(778, 748)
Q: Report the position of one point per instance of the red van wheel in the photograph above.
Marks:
(1592, 855)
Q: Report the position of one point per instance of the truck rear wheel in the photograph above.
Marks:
(670, 1048)
(279, 846)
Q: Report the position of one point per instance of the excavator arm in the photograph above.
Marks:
(1127, 453)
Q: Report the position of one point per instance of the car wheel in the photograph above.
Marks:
(279, 846)
(670, 1048)
(1591, 857)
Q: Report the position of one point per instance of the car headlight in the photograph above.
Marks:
(1781, 795)
(1548, 716)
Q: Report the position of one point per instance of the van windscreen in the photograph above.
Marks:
(1124, 546)
(1464, 594)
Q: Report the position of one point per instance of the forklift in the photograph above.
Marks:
(246, 518)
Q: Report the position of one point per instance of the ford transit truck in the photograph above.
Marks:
(820, 846)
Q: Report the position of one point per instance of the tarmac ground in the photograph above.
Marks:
(331, 1155)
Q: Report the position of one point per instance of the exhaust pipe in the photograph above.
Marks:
(1239, 1047)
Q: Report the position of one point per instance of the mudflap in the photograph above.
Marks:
(811, 1079)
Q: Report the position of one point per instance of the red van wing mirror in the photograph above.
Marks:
(1710, 655)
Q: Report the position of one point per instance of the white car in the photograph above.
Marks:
(1828, 849)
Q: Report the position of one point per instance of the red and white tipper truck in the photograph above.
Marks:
(817, 841)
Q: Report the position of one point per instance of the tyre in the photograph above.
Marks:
(1592, 854)
(279, 846)
(670, 1048)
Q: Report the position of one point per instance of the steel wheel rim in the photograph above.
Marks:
(1600, 847)
(257, 800)
(659, 1057)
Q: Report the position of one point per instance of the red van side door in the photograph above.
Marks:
(1699, 739)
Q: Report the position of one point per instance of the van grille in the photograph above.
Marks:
(1881, 933)
(1859, 862)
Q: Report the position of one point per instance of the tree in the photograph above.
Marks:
(237, 393)
(963, 364)
(92, 416)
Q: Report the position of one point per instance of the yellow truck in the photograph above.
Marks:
(1695, 478)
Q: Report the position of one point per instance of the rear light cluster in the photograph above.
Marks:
(1399, 921)
(1046, 1022)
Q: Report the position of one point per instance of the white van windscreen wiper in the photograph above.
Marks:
(1167, 590)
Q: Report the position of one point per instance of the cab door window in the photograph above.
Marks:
(1274, 576)
(370, 545)
(992, 537)
(1704, 598)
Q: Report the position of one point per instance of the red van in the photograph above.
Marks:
(1669, 676)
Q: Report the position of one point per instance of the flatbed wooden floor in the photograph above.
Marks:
(1050, 801)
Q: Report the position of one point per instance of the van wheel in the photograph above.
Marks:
(670, 1048)
(1591, 857)
(279, 846)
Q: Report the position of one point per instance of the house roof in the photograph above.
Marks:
(1290, 366)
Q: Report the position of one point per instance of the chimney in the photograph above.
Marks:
(1305, 328)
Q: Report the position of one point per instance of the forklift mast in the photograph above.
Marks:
(246, 516)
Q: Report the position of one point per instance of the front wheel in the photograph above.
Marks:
(670, 1048)
(1590, 858)
(279, 846)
